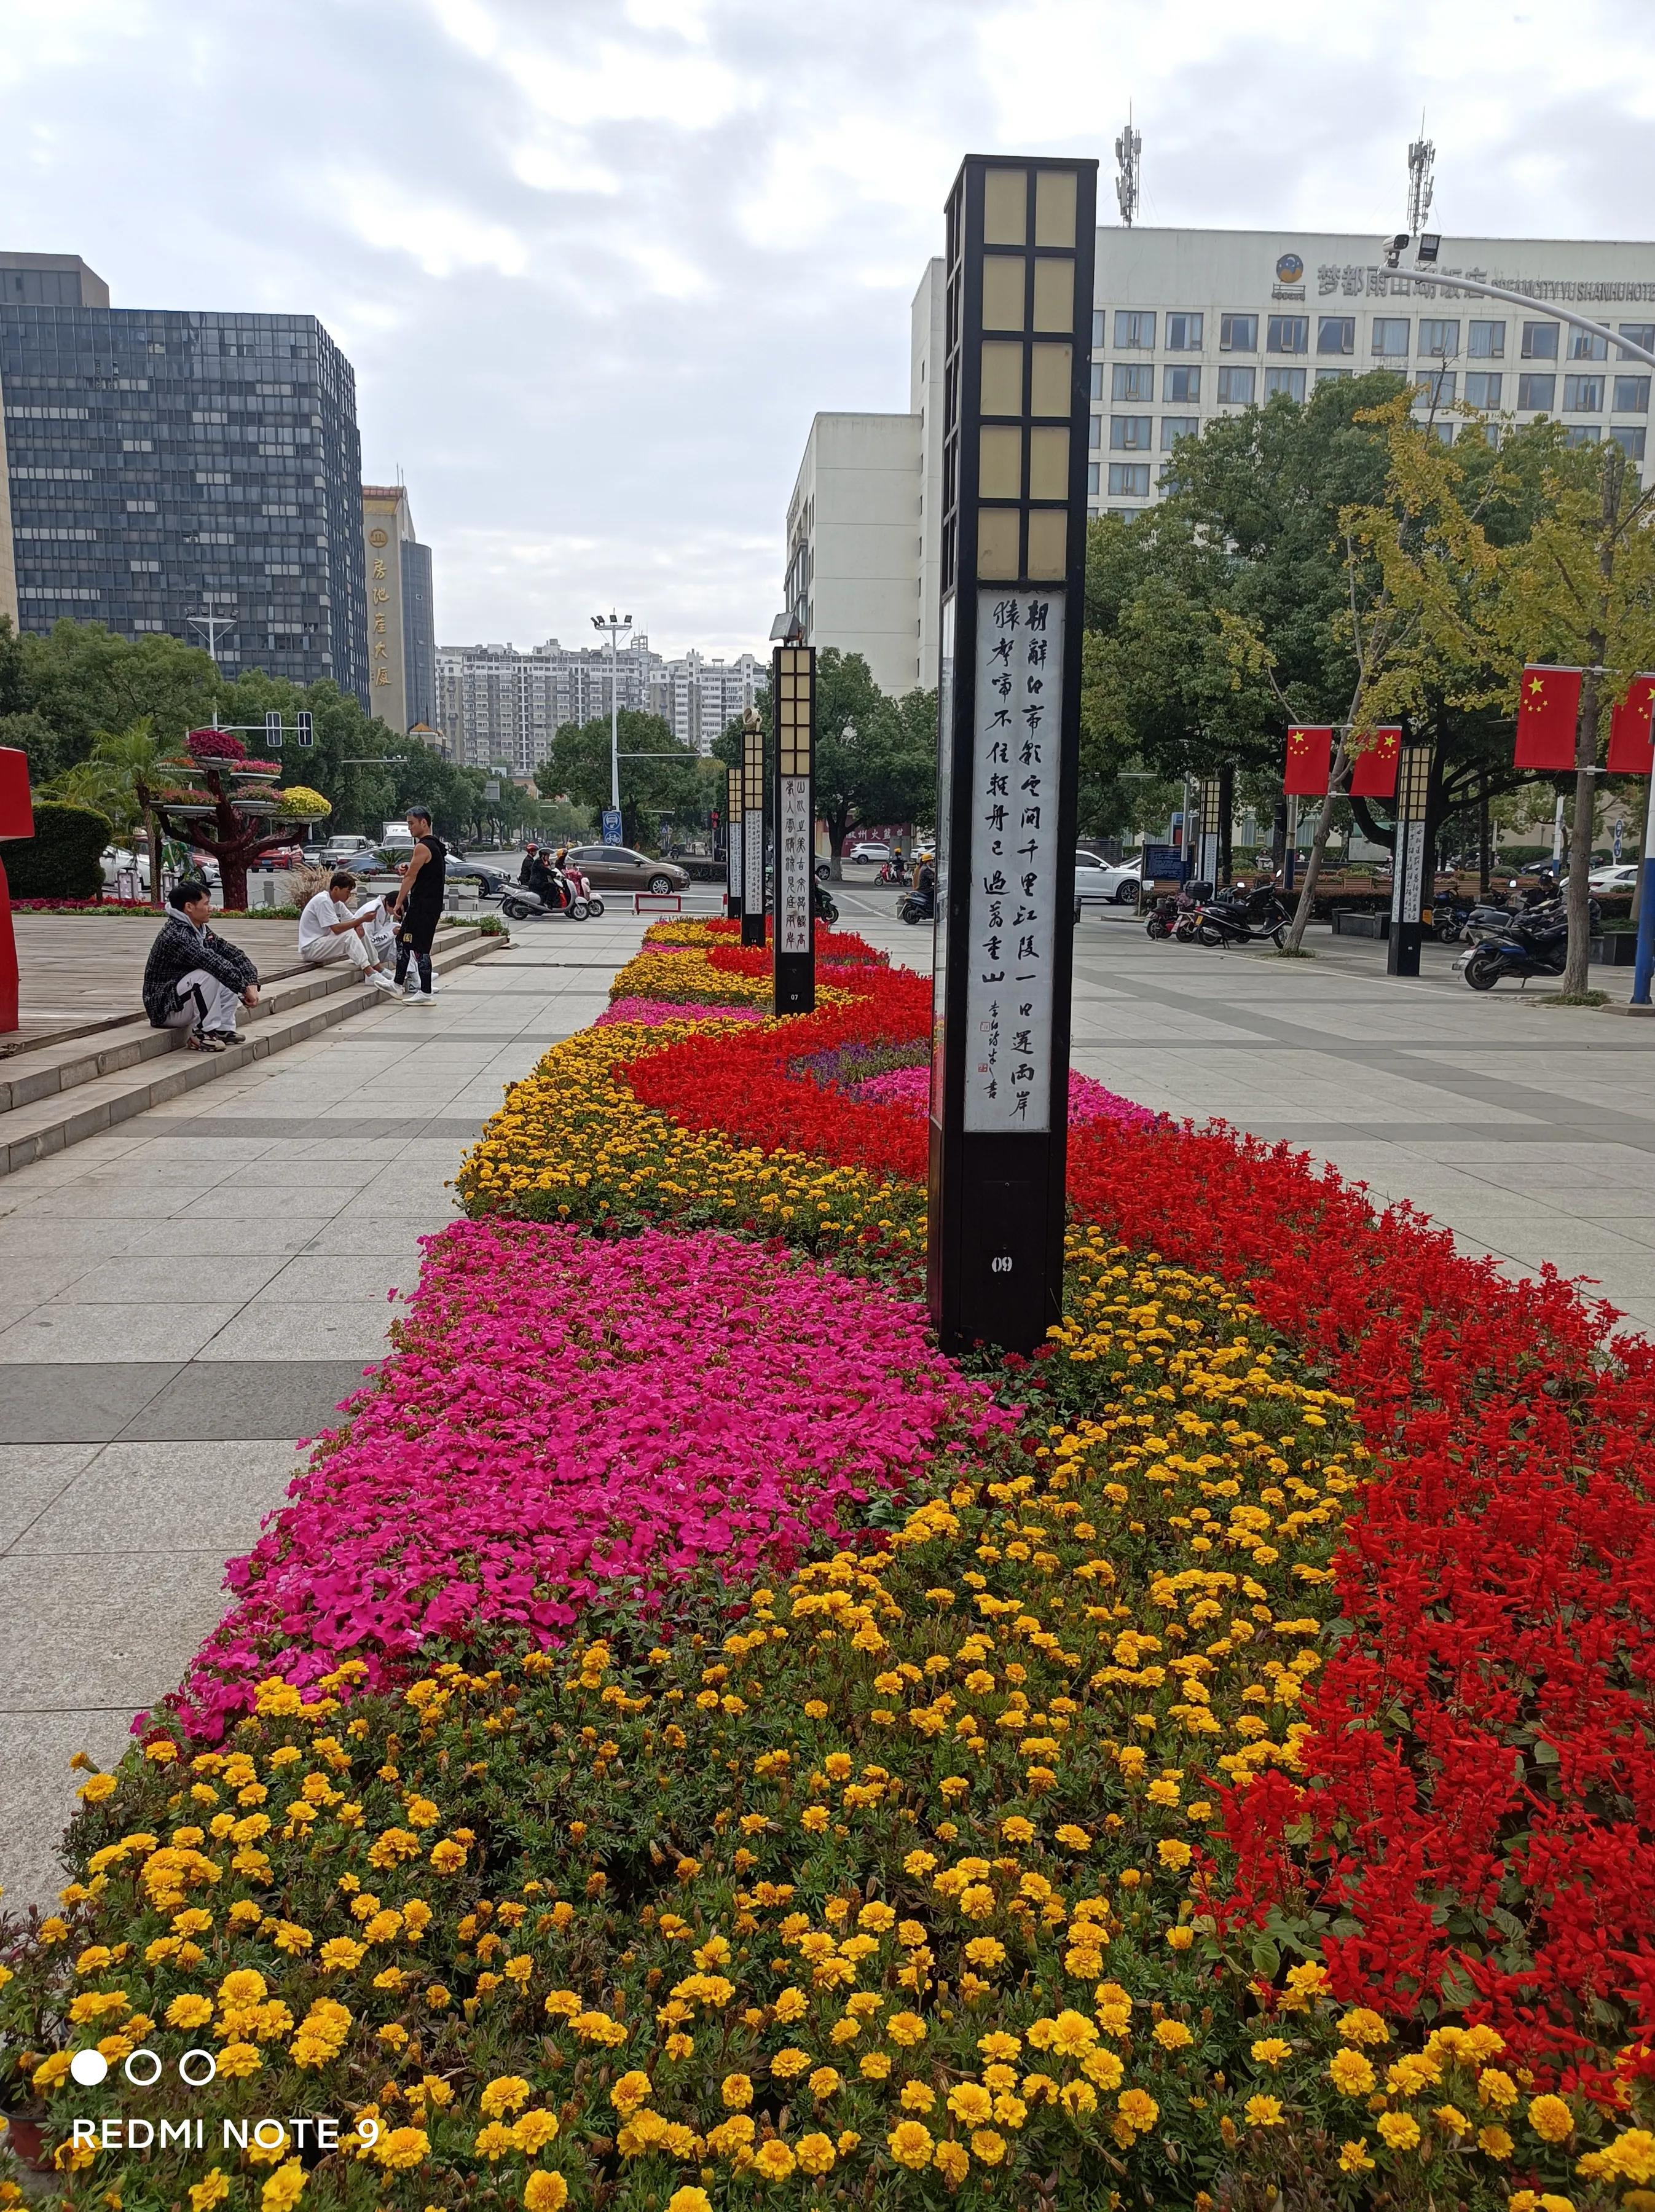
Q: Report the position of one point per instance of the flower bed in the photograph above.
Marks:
(1220, 1777)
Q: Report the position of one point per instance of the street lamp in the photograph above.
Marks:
(614, 624)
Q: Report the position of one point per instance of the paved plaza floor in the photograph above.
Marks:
(184, 1298)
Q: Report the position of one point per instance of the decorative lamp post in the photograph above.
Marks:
(752, 828)
(16, 820)
(1412, 877)
(614, 624)
(734, 824)
(1020, 250)
(793, 709)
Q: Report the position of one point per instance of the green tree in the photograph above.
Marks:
(675, 785)
(82, 677)
(876, 756)
(122, 766)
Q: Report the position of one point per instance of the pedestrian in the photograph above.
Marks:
(419, 905)
(193, 979)
(331, 929)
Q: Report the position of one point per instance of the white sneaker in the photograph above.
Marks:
(378, 976)
(424, 998)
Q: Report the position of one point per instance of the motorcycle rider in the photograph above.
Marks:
(925, 885)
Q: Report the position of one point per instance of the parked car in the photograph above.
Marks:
(281, 856)
(618, 868)
(1623, 876)
(1098, 884)
(347, 853)
(874, 849)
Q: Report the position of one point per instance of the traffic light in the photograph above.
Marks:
(306, 730)
(273, 728)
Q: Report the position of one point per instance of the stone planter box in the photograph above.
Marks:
(1348, 924)
(1619, 950)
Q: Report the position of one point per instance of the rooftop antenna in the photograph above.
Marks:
(1128, 185)
(1421, 164)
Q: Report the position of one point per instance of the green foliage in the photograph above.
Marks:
(876, 756)
(61, 860)
(681, 786)
(30, 733)
(83, 677)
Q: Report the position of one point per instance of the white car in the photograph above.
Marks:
(1098, 884)
(1623, 877)
(875, 851)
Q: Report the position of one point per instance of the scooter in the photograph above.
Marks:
(891, 871)
(1532, 944)
(581, 887)
(1168, 911)
(520, 904)
(822, 905)
(915, 907)
(1245, 920)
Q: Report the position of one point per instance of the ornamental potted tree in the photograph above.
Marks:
(233, 793)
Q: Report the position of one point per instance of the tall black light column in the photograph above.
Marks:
(793, 713)
(752, 828)
(1020, 241)
(1413, 878)
(733, 825)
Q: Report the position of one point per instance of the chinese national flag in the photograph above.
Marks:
(1374, 772)
(1308, 754)
(1549, 708)
(1630, 750)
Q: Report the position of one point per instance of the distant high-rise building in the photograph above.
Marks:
(498, 708)
(163, 464)
(402, 649)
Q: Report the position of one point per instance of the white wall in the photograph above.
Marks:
(858, 502)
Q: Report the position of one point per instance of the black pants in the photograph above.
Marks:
(414, 941)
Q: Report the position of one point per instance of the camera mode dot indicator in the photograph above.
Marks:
(89, 2067)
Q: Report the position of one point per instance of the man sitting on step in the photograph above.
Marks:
(331, 928)
(193, 979)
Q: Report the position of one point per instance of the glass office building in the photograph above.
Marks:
(163, 464)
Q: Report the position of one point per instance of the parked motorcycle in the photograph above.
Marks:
(822, 905)
(1246, 919)
(1171, 909)
(1533, 943)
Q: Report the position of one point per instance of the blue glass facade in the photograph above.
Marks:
(163, 465)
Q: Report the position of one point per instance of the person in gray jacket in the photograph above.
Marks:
(193, 979)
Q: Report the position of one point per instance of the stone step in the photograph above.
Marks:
(297, 1009)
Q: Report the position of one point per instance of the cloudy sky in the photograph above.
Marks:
(598, 262)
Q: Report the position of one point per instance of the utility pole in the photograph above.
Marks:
(614, 624)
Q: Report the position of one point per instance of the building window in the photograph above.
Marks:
(1096, 437)
(1131, 434)
(1586, 345)
(1235, 386)
(1097, 380)
(141, 506)
(1335, 334)
(1641, 334)
(1128, 479)
(1629, 437)
(1174, 427)
(1442, 431)
(1390, 337)
(1537, 391)
(1334, 375)
(1134, 329)
(1632, 395)
(1580, 434)
(1097, 328)
(1290, 380)
(1181, 386)
(1237, 333)
(1482, 387)
(1540, 341)
(1488, 341)
(1439, 336)
(1289, 334)
(1435, 385)
(1583, 395)
(1133, 379)
(1092, 478)
(1183, 333)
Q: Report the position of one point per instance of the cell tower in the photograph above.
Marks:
(1421, 164)
(1128, 152)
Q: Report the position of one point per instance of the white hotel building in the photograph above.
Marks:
(1193, 323)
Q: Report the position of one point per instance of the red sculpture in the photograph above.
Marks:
(16, 820)
(216, 758)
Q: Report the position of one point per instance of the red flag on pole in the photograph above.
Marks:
(1548, 710)
(1308, 754)
(1629, 743)
(1374, 772)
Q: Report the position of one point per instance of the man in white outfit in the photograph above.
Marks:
(329, 929)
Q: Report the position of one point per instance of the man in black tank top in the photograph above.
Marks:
(418, 907)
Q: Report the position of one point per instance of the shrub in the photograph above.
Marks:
(61, 860)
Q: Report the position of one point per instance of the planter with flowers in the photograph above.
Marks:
(228, 791)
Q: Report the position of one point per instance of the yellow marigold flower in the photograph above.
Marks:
(237, 2060)
(998, 2045)
(549, 2192)
(814, 2154)
(284, 2188)
(814, 1818)
(736, 2092)
(1017, 1829)
(1074, 1839)
(689, 2200)
(632, 2090)
(1362, 2025)
(1271, 2050)
(402, 2148)
(1354, 2157)
(211, 2190)
(874, 2066)
(906, 2028)
(245, 1986)
(824, 2081)
(1104, 2067)
(449, 1857)
(1262, 2111)
(1138, 2110)
(1079, 2099)
(96, 1788)
(1173, 2035)
(917, 2097)
(189, 2012)
(1453, 2119)
(1496, 2088)
(773, 2161)
(988, 2146)
(970, 2103)
(338, 1954)
(1181, 1938)
(1174, 1853)
(952, 2162)
(1495, 2143)
(493, 2142)
(1351, 2073)
(507, 2093)
(534, 2131)
(1400, 2130)
(1551, 2119)
(910, 2145)
(985, 1950)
